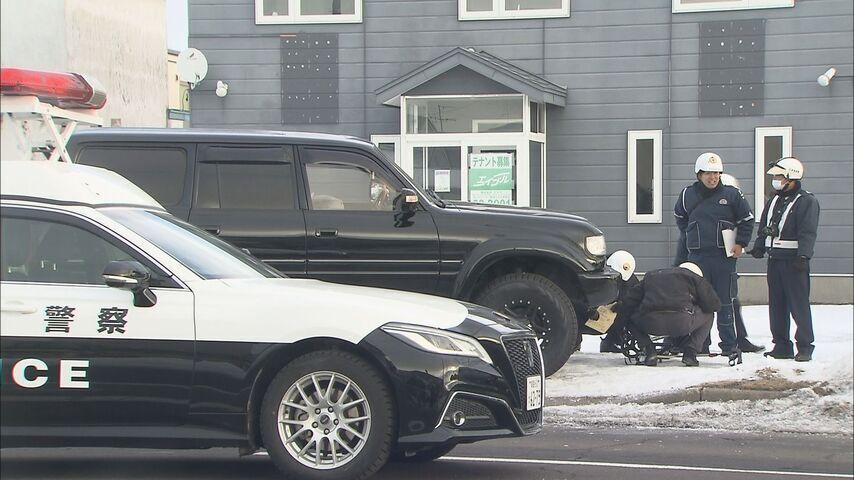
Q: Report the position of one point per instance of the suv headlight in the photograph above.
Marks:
(595, 245)
(437, 341)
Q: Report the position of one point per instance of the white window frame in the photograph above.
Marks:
(631, 157)
(498, 12)
(393, 139)
(722, 5)
(294, 17)
(463, 141)
(759, 162)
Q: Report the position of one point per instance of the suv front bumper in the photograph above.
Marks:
(600, 287)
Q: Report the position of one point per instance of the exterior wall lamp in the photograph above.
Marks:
(824, 78)
(221, 88)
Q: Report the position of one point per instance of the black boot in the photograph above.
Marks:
(804, 354)
(747, 346)
(650, 358)
(609, 346)
(689, 358)
(781, 353)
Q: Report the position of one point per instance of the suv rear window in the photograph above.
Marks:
(161, 172)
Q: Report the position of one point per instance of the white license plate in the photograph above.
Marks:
(534, 392)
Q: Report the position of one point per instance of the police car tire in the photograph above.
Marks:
(539, 296)
(366, 380)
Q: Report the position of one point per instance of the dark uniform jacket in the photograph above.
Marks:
(793, 215)
(667, 301)
(701, 214)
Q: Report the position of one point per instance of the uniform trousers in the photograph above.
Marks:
(789, 294)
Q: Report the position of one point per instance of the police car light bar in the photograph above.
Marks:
(64, 90)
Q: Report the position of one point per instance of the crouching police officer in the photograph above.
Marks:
(787, 232)
(673, 301)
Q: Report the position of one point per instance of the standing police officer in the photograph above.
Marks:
(787, 233)
(703, 210)
(744, 344)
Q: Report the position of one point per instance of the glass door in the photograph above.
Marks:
(439, 168)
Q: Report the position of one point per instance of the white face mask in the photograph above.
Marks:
(778, 184)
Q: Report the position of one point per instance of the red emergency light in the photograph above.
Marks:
(64, 90)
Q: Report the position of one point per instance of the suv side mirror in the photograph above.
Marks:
(131, 275)
(406, 201)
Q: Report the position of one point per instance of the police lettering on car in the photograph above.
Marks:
(124, 326)
(58, 318)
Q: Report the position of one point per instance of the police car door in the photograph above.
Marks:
(75, 352)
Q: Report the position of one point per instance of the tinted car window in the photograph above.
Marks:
(161, 172)
(49, 252)
(246, 178)
(255, 186)
(346, 181)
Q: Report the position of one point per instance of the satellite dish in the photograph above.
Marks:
(192, 66)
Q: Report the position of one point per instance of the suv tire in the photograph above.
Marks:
(543, 305)
(306, 396)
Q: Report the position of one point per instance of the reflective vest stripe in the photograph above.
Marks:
(775, 242)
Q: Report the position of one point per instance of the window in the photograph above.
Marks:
(495, 9)
(260, 178)
(535, 157)
(346, 181)
(161, 172)
(308, 11)
(772, 144)
(644, 176)
(538, 117)
(389, 145)
(50, 252)
(496, 114)
(680, 6)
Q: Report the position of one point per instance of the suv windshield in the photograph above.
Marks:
(198, 250)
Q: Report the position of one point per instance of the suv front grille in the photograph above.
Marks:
(524, 356)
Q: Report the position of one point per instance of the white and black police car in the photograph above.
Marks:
(123, 326)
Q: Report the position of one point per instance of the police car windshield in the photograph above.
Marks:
(198, 250)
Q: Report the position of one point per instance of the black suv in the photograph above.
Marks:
(334, 208)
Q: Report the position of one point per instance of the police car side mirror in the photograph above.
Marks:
(133, 276)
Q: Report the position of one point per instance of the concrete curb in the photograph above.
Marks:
(695, 394)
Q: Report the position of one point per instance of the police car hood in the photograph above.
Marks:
(287, 310)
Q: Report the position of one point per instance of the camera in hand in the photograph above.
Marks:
(771, 231)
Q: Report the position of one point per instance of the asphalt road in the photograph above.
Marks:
(553, 454)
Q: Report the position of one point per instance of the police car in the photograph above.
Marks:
(124, 326)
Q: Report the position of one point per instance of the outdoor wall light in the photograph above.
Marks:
(824, 78)
(221, 88)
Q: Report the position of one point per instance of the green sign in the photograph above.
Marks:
(491, 178)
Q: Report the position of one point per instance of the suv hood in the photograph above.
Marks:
(511, 210)
(281, 309)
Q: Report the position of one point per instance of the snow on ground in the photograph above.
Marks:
(599, 389)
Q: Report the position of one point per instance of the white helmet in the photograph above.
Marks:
(730, 180)
(789, 167)
(692, 267)
(709, 162)
(623, 262)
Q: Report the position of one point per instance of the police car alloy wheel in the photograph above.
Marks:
(328, 415)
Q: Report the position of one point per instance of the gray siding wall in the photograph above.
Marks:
(628, 65)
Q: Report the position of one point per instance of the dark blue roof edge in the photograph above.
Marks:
(482, 63)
